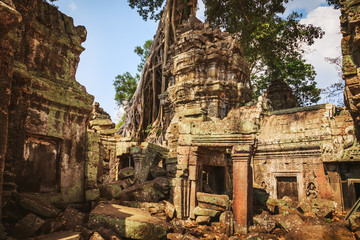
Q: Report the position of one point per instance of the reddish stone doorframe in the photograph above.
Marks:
(242, 188)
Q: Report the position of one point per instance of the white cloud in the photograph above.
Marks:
(329, 46)
(306, 5)
(72, 6)
(200, 13)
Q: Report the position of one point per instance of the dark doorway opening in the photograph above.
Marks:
(213, 179)
(287, 186)
(125, 160)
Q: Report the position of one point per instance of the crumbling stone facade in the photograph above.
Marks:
(219, 143)
(48, 110)
(350, 20)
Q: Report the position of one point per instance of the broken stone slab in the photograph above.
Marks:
(72, 218)
(266, 221)
(291, 222)
(227, 223)
(110, 191)
(126, 173)
(203, 219)
(304, 206)
(199, 211)
(96, 236)
(323, 207)
(175, 236)
(125, 183)
(61, 236)
(127, 222)
(354, 221)
(213, 201)
(150, 191)
(158, 172)
(169, 209)
(323, 232)
(92, 194)
(37, 206)
(51, 226)
(27, 226)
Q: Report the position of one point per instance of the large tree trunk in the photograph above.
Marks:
(144, 110)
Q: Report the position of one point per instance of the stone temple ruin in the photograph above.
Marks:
(223, 153)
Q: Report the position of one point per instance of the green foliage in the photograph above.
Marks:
(148, 9)
(335, 3)
(272, 44)
(121, 122)
(125, 84)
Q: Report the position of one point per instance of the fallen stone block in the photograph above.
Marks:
(27, 226)
(52, 226)
(110, 191)
(126, 173)
(199, 211)
(323, 232)
(96, 236)
(227, 223)
(169, 209)
(213, 201)
(175, 236)
(323, 207)
(304, 206)
(153, 207)
(92, 194)
(203, 219)
(38, 206)
(354, 222)
(291, 222)
(72, 218)
(127, 222)
(158, 172)
(61, 236)
(150, 191)
(266, 221)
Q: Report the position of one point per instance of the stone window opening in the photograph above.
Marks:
(287, 186)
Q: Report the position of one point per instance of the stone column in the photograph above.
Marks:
(242, 188)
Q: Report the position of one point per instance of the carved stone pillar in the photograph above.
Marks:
(242, 188)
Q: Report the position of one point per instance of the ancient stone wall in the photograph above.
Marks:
(48, 110)
(9, 18)
(296, 144)
(350, 26)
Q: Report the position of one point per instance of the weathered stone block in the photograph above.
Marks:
(38, 206)
(110, 191)
(199, 211)
(27, 226)
(203, 219)
(73, 218)
(266, 221)
(213, 201)
(92, 194)
(61, 235)
(128, 222)
(291, 222)
(126, 173)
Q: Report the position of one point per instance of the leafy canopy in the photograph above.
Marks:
(272, 43)
(125, 84)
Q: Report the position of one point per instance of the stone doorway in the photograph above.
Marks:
(40, 169)
(214, 179)
(287, 186)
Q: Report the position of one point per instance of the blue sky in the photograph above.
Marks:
(114, 30)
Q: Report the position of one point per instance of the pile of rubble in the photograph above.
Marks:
(29, 216)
